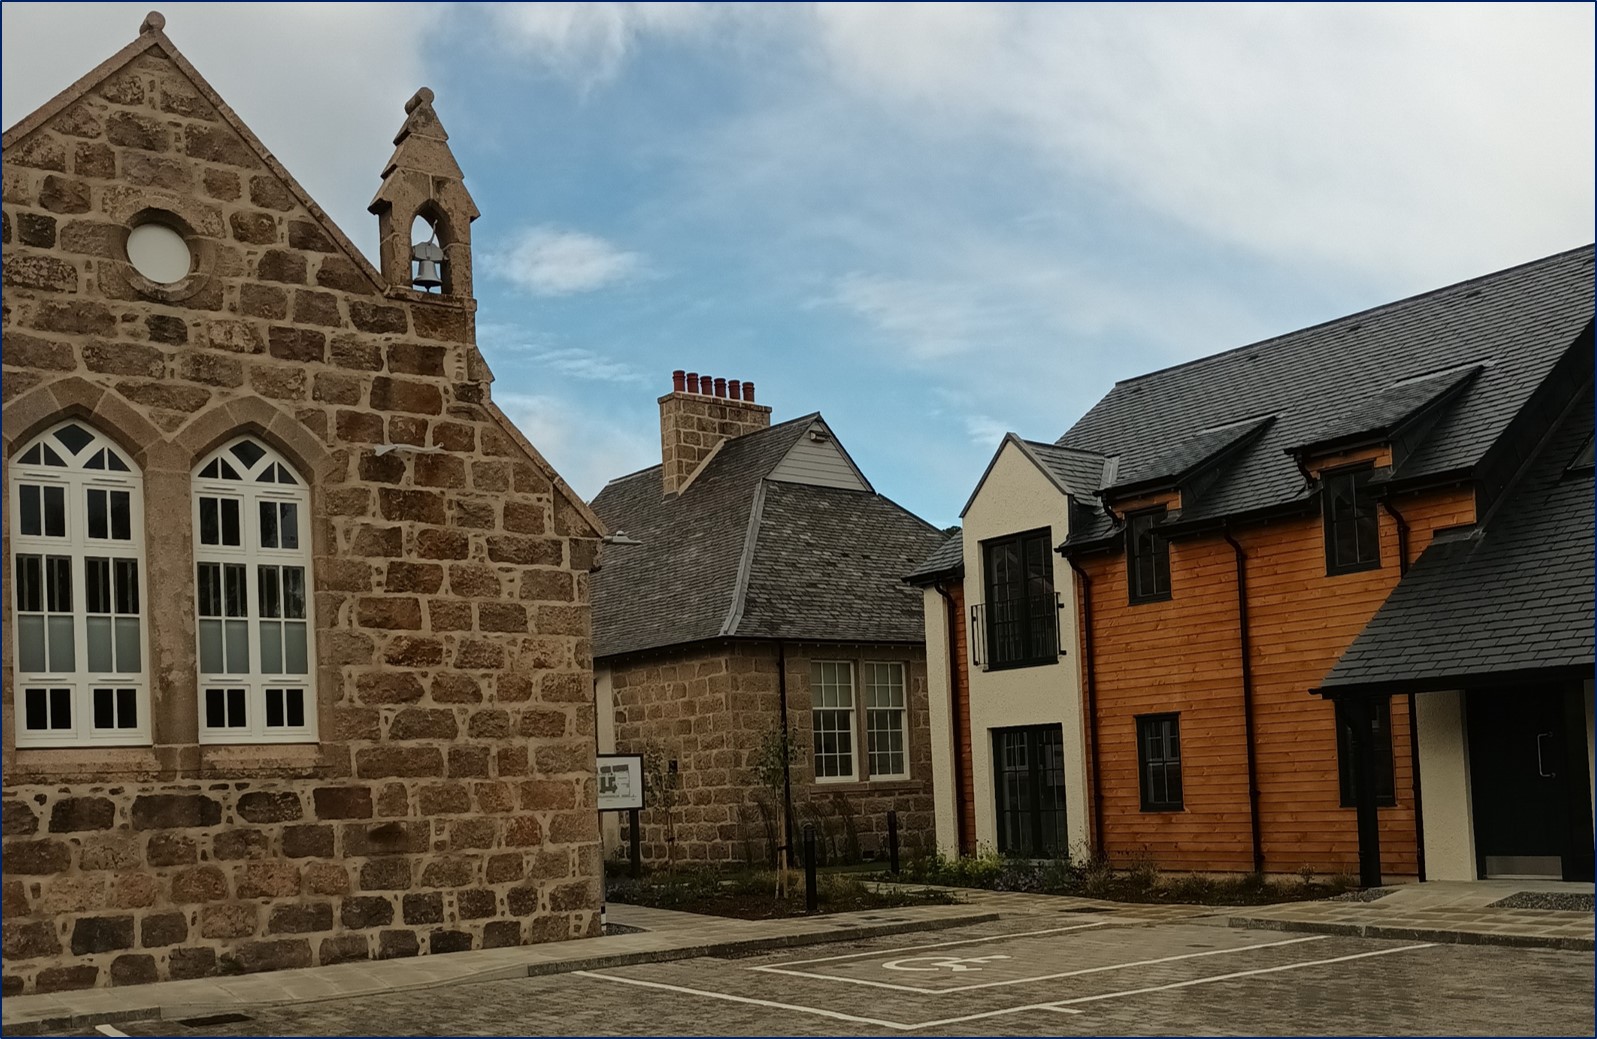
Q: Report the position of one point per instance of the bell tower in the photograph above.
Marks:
(423, 180)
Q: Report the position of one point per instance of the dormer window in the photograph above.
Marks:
(1352, 529)
(1147, 557)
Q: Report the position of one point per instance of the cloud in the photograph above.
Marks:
(587, 446)
(368, 58)
(588, 43)
(1354, 135)
(585, 364)
(546, 261)
(930, 321)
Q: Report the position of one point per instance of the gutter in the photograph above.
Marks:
(1247, 701)
(1090, 695)
(1413, 714)
(956, 722)
(787, 752)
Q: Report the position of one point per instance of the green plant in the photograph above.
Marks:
(662, 787)
(1143, 873)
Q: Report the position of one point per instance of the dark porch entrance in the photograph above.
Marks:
(1530, 783)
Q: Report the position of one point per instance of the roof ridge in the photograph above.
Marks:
(632, 475)
(1084, 452)
(751, 537)
(1261, 343)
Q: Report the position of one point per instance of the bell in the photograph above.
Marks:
(427, 255)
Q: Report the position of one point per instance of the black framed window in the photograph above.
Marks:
(1352, 528)
(1147, 557)
(1381, 747)
(1022, 610)
(1159, 762)
(1029, 788)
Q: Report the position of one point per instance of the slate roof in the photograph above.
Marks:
(947, 561)
(1515, 323)
(738, 555)
(1514, 594)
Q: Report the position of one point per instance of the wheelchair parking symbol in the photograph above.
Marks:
(953, 964)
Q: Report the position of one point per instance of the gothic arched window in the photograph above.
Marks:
(77, 566)
(252, 556)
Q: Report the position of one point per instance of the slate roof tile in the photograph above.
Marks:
(736, 554)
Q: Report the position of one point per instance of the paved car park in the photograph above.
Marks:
(1090, 976)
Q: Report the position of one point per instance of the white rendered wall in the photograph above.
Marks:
(1444, 786)
(1017, 497)
(940, 702)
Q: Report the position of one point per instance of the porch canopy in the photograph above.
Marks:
(1506, 602)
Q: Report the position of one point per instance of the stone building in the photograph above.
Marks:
(759, 569)
(298, 663)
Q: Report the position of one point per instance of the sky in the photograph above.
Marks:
(933, 224)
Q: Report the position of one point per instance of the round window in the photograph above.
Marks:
(159, 253)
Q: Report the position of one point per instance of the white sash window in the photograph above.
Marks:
(77, 568)
(252, 558)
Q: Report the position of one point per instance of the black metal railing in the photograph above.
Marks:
(1017, 631)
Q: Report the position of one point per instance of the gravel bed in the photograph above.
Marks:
(1570, 900)
(1369, 894)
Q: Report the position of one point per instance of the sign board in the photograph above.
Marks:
(620, 782)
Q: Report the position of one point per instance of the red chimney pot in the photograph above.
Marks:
(748, 392)
(734, 389)
(693, 382)
(720, 387)
(679, 380)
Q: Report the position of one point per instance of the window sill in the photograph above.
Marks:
(52, 764)
(1163, 809)
(1023, 664)
(1143, 600)
(895, 785)
(1352, 568)
(1378, 804)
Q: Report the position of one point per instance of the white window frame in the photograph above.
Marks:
(874, 669)
(817, 689)
(75, 544)
(257, 685)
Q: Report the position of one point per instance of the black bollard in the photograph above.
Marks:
(892, 841)
(810, 900)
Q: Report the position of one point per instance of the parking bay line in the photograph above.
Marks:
(934, 945)
(1061, 1006)
(778, 969)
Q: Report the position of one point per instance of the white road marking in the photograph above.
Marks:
(1237, 974)
(957, 964)
(1040, 977)
(108, 1030)
(897, 1026)
(933, 945)
(1058, 1006)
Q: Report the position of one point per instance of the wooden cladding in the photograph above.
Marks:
(1183, 655)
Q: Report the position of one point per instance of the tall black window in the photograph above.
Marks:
(1147, 557)
(1380, 746)
(1159, 761)
(1352, 529)
(1029, 777)
(1022, 611)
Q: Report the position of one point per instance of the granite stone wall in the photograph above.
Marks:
(449, 802)
(707, 707)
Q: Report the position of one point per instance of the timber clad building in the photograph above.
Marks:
(297, 663)
(757, 586)
(1329, 599)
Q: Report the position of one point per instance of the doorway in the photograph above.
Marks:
(1029, 781)
(1530, 785)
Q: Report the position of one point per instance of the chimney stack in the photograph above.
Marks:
(699, 413)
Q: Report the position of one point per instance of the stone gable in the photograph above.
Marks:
(448, 803)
